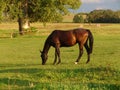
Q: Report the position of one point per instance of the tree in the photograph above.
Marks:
(103, 16)
(117, 13)
(15, 10)
(39, 10)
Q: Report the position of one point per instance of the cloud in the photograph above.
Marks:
(90, 1)
(99, 8)
(98, 1)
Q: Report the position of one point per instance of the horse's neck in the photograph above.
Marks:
(46, 48)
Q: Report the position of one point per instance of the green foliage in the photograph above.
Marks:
(14, 8)
(51, 10)
(2, 7)
(104, 16)
(40, 10)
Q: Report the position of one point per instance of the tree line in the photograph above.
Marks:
(98, 16)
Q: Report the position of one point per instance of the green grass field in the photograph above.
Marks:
(21, 69)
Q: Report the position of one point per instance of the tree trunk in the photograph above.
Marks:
(20, 25)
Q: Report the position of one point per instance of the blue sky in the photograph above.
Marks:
(89, 5)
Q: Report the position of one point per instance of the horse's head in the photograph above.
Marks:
(44, 57)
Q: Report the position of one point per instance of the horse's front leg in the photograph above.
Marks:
(58, 53)
(59, 59)
(80, 53)
(55, 57)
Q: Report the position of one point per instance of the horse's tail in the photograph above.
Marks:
(91, 39)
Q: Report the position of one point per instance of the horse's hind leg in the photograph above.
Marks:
(80, 53)
(88, 51)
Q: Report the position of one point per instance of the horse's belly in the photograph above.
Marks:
(68, 43)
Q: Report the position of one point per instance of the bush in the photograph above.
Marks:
(78, 19)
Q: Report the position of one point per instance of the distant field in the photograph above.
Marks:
(20, 62)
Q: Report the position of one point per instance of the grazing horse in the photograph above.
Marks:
(60, 38)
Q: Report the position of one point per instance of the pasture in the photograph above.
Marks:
(20, 62)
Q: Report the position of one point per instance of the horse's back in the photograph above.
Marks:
(64, 38)
(67, 38)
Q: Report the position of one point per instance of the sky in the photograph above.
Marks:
(90, 5)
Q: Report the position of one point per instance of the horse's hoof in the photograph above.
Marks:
(76, 62)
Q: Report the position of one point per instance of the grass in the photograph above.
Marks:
(21, 69)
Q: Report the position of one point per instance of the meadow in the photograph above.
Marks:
(20, 62)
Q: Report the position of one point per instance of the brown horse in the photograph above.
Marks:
(59, 38)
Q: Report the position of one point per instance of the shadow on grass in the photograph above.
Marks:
(16, 84)
(10, 81)
(62, 75)
(103, 86)
(76, 86)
